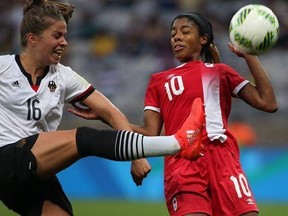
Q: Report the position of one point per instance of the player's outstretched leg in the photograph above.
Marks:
(190, 134)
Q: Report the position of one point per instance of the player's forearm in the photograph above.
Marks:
(118, 121)
(262, 81)
(141, 130)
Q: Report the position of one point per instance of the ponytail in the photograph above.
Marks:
(212, 54)
(65, 9)
(32, 3)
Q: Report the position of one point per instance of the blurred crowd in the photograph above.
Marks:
(117, 44)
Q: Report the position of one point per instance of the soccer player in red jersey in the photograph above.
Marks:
(214, 184)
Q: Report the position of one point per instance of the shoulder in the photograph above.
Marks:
(216, 66)
(65, 72)
(6, 57)
(60, 67)
(164, 73)
(6, 61)
(221, 68)
(68, 76)
(224, 67)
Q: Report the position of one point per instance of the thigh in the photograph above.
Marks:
(230, 191)
(188, 203)
(55, 151)
(28, 198)
(187, 188)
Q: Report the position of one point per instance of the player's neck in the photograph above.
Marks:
(31, 67)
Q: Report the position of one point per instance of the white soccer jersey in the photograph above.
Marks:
(25, 112)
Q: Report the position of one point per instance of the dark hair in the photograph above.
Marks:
(205, 27)
(38, 15)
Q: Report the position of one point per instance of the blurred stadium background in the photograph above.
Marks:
(116, 45)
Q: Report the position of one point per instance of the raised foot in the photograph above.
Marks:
(190, 134)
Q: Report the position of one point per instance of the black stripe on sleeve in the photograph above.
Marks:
(84, 95)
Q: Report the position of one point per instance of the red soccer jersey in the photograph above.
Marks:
(171, 94)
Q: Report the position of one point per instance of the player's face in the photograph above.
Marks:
(51, 43)
(186, 40)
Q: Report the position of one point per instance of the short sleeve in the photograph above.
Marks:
(234, 80)
(152, 96)
(76, 87)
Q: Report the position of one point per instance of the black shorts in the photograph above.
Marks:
(20, 190)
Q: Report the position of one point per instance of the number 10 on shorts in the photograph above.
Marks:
(241, 185)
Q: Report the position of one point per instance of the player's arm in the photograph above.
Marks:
(101, 107)
(261, 94)
(152, 127)
(152, 124)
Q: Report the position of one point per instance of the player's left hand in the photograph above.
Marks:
(235, 50)
(139, 170)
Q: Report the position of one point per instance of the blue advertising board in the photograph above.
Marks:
(96, 178)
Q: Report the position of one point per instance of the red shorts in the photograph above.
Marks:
(214, 184)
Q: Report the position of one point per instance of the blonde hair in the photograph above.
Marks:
(38, 15)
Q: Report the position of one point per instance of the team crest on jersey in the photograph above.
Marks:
(52, 86)
(174, 203)
(21, 143)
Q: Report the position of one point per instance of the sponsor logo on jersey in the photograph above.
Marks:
(250, 201)
(15, 83)
(52, 86)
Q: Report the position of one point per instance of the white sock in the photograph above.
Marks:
(160, 145)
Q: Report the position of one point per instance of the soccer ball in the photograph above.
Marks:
(254, 29)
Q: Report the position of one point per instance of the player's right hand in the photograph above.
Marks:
(139, 170)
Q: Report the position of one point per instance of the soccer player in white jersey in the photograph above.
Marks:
(34, 87)
(214, 184)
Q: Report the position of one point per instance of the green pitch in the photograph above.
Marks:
(128, 208)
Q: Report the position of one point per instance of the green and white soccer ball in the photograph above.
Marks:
(254, 29)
